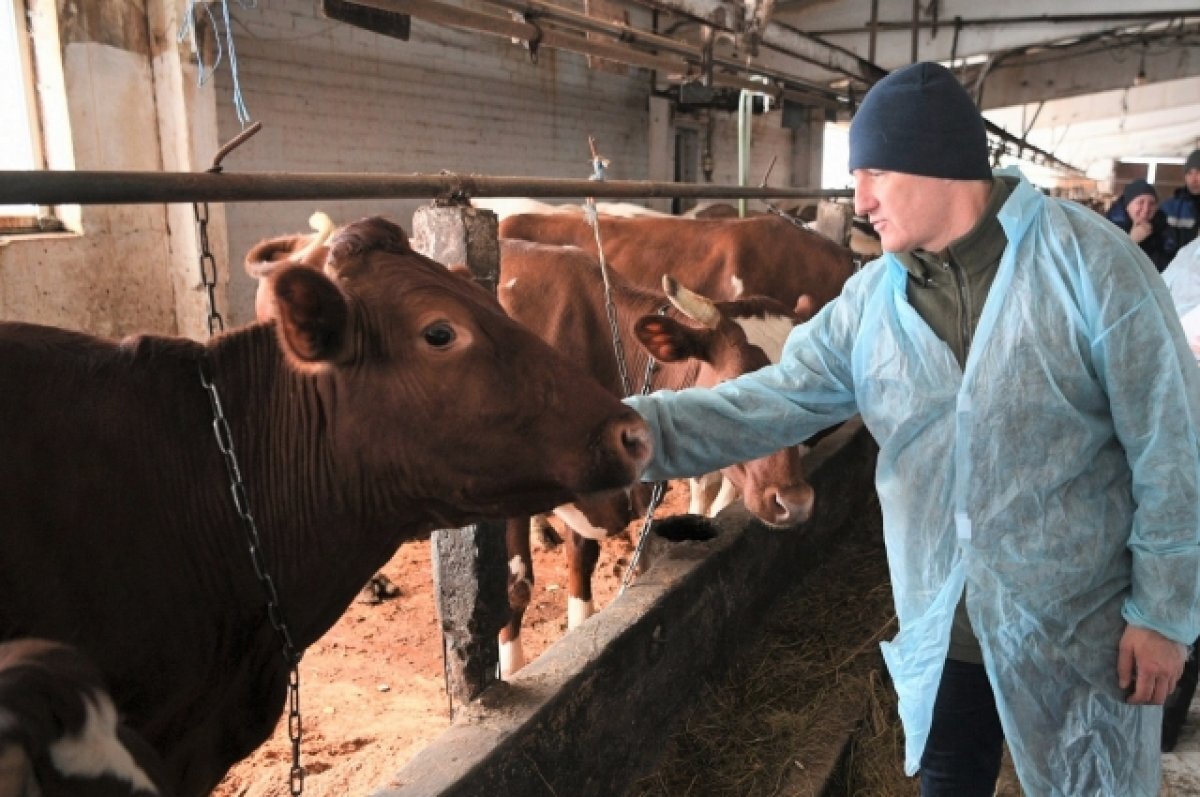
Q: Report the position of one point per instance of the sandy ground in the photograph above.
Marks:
(372, 694)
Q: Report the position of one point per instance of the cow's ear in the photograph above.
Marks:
(312, 316)
(265, 257)
(666, 339)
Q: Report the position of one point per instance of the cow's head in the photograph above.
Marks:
(735, 338)
(437, 389)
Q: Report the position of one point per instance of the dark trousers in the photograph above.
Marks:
(1176, 709)
(962, 756)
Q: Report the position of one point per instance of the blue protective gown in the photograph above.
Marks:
(1055, 478)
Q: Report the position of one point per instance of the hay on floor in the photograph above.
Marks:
(777, 722)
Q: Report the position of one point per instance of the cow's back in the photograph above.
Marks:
(73, 406)
(719, 258)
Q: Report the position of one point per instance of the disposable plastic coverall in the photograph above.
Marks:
(1056, 476)
(1183, 278)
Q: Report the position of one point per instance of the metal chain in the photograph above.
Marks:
(241, 500)
(208, 268)
(656, 494)
(599, 164)
(241, 503)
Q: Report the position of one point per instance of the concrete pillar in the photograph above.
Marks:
(470, 579)
(834, 219)
(459, 235)
(470, 570)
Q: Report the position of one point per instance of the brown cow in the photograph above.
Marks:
(391, 398)
(558, 292)
(60, 734)
(720, 258)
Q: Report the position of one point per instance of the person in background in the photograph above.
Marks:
(1182, 209)
(1182, 277)
(1137, 213)
(1042, 527)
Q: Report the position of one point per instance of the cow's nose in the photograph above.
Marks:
(790, 505)
(634, 439)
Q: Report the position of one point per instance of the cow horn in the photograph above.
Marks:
(323, 225)
(696, 307)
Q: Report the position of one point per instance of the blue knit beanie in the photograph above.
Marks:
(1135, 189)
(920, 120)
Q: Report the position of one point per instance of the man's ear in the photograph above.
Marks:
(313, 316)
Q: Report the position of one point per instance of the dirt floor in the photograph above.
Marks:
(372, 694)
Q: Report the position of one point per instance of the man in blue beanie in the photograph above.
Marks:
(1042, 526)
(1136, 212)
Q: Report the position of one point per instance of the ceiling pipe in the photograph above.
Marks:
(686, 68)
(675, 69)
(695, 54)
(1031, 19)
(466, 19)
(117, 187)
(539, 10)
(781, 38)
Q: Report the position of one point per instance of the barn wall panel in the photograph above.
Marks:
(111, 279)
(768, 139)
(333, 98)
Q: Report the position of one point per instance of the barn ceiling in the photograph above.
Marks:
(1088, 81)
(1073, 84)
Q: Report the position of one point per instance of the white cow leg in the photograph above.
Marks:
(727, 495)
(579, 610)
(512, 657)
(703, 491)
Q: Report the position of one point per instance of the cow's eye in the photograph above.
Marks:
(439, 335)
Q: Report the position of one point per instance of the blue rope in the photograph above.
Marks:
(188, 28)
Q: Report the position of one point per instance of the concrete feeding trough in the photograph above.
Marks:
(594, 712)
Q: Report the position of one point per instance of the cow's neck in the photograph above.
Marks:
(322, 538)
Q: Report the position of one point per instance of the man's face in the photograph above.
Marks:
(1141, 208)
(1192, 178)
(907, 211)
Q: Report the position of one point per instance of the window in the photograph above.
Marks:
(20, 133)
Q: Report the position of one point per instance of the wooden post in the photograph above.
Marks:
(470, 570)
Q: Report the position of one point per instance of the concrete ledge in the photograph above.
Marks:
(594, 712)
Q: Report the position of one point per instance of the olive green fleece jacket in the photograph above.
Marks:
(948, 290)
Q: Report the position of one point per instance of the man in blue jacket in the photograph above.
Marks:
(1037, 411)
(1183, 208)
(1136, 212)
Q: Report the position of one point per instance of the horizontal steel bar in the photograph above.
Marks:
(117, 188)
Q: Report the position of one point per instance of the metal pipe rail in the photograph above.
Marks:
(118, 187)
